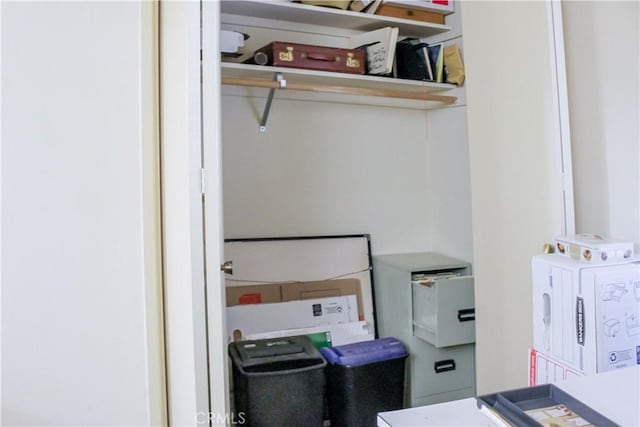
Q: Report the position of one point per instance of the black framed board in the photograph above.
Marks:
(268, 260)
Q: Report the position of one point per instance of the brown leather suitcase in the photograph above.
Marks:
(295, 55)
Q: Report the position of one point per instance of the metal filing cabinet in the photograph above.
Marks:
(426, 301)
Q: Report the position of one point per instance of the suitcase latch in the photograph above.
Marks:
(352, 62)
(286, 56)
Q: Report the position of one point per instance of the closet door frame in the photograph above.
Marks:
(522, 192)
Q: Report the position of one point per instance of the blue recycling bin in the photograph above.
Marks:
(363, 379)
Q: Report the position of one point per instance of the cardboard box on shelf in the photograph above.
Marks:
(443, 6)
(337, 4)
(408, 12)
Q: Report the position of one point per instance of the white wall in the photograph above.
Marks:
(328, 168)
(325, 169)
(602, 53)
(449, 182)
(81, 331)
(515, 180)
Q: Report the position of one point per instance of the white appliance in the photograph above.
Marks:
(587, 316)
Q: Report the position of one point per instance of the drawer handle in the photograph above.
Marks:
(444, 366)
(467, 314)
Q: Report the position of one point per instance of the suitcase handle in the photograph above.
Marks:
(321, 57)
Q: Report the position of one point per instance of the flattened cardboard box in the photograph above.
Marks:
(296, 291)
(323, 289)
(243, 320)
(339, 333)
(253, 294)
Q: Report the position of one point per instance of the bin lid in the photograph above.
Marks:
(364, 352)
(266, 350)
(272, 348)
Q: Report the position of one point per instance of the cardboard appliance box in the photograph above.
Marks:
(586, 316)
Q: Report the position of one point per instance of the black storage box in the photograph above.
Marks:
(278, 382)
(363, 379)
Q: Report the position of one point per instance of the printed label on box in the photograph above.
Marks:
(243, 320)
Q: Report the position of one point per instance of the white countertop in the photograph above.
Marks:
(455, 413)
(614, 394)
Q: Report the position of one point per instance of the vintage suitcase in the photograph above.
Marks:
(413, 13)
(295, 55)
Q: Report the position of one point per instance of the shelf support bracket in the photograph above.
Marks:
(282, 84)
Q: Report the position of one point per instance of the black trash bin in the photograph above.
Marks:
(363, 379)
(278, 382)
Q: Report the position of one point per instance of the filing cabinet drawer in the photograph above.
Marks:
(444, 311)
(442, 371)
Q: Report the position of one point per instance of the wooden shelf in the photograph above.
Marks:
(329, 17)
(264, 81)
(359, 89)
(323, 81)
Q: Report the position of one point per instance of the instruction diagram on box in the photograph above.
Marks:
(619, 329)
(633, 325)
(611, 328)
(614, 292)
